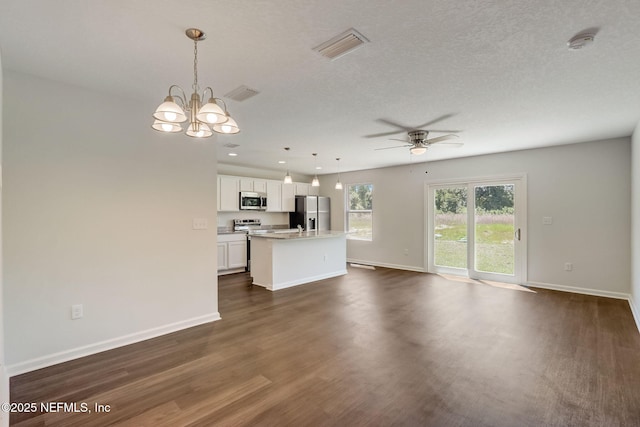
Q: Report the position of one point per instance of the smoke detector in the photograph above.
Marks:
(581, 41)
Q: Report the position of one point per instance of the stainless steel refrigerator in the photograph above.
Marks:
(312, 213)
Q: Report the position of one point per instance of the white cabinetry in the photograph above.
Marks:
(260, 185)
(246, 184)
(232, 253)
(250, 184)
(288, 198)
(274, 196)
(228, 193)
(237, 254)
(280, 196)
(222, 255)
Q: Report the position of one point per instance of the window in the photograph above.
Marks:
(360, 211)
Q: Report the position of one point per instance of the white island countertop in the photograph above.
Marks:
(282, 259)
(292, 235)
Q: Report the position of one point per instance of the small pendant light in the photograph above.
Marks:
(338, 183)
(287, 177)
(315, 182)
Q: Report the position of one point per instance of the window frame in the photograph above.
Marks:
(348, 210)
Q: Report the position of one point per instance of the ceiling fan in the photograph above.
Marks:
(419, 143)
(418, 138)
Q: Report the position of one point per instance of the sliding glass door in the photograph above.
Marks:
(476, 228)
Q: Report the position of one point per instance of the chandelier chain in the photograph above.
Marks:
(195, 66)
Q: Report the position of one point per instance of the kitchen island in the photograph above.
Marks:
(283, 259)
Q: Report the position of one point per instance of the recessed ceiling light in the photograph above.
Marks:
(318, 167)
(233, 154)
(282, 162)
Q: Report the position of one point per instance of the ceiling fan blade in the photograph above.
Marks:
(443, 131)
(394, 124)
(397, 146)
(439, 119)
(401, 140)
(378, 135)
(440, 138)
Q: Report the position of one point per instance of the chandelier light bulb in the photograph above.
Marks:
(161, 126)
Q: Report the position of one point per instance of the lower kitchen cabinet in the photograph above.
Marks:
(232, 253)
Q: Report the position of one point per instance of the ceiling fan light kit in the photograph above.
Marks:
(418, 142)
(418, 150)
(175, 109)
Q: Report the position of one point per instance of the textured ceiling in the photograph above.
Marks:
(500, 69)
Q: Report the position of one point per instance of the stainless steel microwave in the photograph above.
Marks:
(250, 201)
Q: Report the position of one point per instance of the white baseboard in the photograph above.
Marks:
(635, 312)
(576, 290)
(306, 280)
(87, 350)
(386, 265)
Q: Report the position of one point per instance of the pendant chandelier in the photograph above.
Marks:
(203, 119)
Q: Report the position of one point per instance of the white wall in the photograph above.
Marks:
(4, 378)
(635, 224)
(584, 187)
(98, 211)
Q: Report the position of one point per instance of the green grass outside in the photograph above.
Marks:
(494, 246)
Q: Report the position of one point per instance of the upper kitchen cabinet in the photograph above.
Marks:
(274, 196)
(250, 184)
(288, 198)
(246, 184)
(259, 185)
(228, 193)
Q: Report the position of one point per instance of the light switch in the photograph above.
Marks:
(200, 223)
(547, 220)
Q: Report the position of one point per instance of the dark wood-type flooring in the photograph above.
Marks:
(382, 347)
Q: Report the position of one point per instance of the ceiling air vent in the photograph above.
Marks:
(341, 44)
(241, 93)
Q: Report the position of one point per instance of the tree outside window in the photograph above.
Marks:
(360, 211)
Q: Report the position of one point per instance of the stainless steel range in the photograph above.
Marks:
(247, 225)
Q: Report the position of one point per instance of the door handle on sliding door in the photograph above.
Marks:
(518, 234)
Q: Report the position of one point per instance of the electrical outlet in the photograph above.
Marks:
(76, 311)
(568, 266)
(406, 252)
(547, 220)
